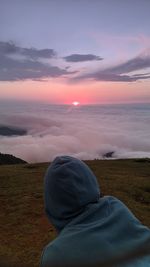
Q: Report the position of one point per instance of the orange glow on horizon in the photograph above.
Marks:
(83, 93)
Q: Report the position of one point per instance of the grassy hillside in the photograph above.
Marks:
(24, 229)
(10, 159)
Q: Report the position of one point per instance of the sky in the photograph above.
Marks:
(60, 51)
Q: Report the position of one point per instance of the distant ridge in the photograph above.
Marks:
(10, 159)
(109, 154)
(11, 131)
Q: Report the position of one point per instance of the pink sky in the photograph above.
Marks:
(85, 92)
(63, 51)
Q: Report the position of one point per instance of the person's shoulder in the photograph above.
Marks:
(114, 203)
(119, 210)
(113, 199)
(51, 256)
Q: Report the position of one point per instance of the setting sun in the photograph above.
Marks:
(75, 103)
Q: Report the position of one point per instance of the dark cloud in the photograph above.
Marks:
(34, 53)
(140, 74)
(7, 48)
(19, 63)
(112, 77)
(120, 73)
(81, 58)
(13, 69)
(137, 63)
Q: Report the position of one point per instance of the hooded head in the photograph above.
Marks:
(69, 187)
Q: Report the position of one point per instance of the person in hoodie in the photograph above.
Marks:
(91, 228)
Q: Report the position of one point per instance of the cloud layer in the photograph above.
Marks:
(83, 132)
(82, 58)
(137, 63)
(121, 72)
(18, 63)
(9, 48)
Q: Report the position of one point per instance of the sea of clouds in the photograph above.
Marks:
(86, 132)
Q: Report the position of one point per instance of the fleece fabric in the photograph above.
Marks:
(91, 228)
